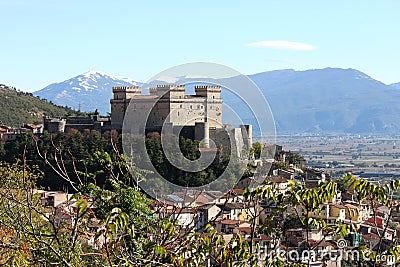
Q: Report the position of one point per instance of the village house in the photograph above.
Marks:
(206, 214)
(8, 133)
(357, 213)
(332, 213)
(183, 216)
(53, 198)
(314, 177)
(228, 226)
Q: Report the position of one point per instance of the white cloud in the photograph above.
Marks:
(283, 45)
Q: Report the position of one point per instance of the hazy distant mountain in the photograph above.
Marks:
(87, 92)
(330, 100)
(320, 100)
(396, 85)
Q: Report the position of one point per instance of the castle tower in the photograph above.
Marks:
(54, 125)
(247, 133)
(169, 91)
(212, 103)
(208, 91)
(120, 102)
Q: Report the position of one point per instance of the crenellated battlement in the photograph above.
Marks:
(126, 88)
(209, 91)
(208, 87)
(171, 86)
(164, 85)
(167, 87)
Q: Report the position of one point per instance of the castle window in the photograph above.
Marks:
(191, 107)
(198, 106)
(178, 113)
(180, 105)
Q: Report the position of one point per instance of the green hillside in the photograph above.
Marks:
(18, 108)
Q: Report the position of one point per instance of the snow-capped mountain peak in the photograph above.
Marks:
(89, 91)
(95, 72)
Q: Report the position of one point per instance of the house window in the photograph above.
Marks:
(223, 228)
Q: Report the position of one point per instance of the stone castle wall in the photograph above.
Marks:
(198, 117)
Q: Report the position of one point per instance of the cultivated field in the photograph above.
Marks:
(338, 154)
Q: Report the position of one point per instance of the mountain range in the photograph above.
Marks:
(396, 85)
(330, 100)
(87, 92)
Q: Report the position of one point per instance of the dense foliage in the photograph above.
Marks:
(18, 108)
(80, 147)
(190, 150)
(72, 150)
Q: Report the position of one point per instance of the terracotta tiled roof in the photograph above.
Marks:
(230, 222)
(238, 191)
(264, 237)
(246, 230)
(371, 236)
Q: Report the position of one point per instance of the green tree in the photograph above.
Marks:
(256, 149)
(33, 236)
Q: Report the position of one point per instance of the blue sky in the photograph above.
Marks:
(45, 41)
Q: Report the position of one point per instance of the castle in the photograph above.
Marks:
(198, 116)
(204, 106)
